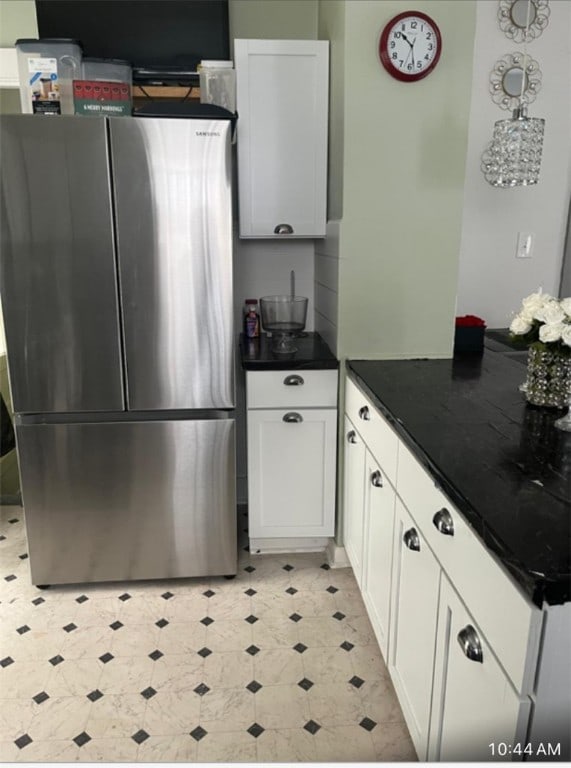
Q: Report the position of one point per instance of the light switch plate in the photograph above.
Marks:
(524, 248)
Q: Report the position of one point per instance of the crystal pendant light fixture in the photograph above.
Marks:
(513, 157)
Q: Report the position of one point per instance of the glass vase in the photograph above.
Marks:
(548, 381)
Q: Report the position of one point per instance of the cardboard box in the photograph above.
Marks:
(102, 97)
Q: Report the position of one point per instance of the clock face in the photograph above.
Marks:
(410, 46)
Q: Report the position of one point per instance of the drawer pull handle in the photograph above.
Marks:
(470, 644)
(377, 479)
(293, 418)
(293, 381)
(352, 437)
(364, 413)
(412, 540)
(283, 229)
(443, 522)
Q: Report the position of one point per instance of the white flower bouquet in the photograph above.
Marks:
(544, 323)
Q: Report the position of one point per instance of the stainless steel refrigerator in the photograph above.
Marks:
(116, 266)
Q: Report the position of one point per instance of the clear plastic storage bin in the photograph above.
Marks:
(109, 70)
(218, 84)
(47, 69)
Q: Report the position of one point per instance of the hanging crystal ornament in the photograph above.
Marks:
(513, 158)
(516, 150)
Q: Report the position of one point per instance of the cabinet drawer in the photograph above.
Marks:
(475, 573)
(291, 389)
(379, 436)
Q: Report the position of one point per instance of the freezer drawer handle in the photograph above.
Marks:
(470, 643)
(293, 418)
(283, 229)
(352, 437)
(293, 381)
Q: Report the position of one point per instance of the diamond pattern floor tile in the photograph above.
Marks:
(279, 664)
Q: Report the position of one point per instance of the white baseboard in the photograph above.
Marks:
(288, 545)
(336, 556)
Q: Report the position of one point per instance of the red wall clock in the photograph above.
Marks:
(410, 46)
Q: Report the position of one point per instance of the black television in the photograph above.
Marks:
(162, 39)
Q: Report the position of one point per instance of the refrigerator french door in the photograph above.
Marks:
(117, 302)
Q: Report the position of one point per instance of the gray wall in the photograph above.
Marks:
(491, 280)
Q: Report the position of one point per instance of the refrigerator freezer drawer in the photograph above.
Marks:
(129, 500)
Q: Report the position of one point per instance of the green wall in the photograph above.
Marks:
(331, 27)
(403, 178)
(17, 19)
(273, 19)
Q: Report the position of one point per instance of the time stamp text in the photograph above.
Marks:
(504, 748)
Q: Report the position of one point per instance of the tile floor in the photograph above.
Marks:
(278, 665)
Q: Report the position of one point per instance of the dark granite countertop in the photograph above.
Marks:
(500, 461)
(312, 353)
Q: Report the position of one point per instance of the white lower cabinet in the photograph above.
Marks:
(416, 581)
(354, 496)
(292, 459)
(379, 516)
(291, 472)
(463, 679)
(476, 711)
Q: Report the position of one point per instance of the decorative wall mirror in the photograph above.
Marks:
(509, 74)
(523, 20)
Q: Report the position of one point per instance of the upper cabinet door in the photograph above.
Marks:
(59, 279)
(282, 102)
(174, 234)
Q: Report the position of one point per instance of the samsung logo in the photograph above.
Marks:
(207, 133)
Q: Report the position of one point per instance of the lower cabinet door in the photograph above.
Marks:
(477, 714)
(291, 472)
(378, 546)
(414, 608)
(354, 498)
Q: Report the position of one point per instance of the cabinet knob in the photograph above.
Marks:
(443, 522)
(364, 413)
(293, 418)
(352, 437)
(470, 643)
(283, 229)
(294, 380)
(377, 479)
(412, 540)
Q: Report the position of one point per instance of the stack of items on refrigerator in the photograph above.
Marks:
(55, 79)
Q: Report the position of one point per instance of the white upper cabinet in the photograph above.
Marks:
(9, 68)
(282, 102)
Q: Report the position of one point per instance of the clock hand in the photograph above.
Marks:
(412, 50)
(404, 37)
